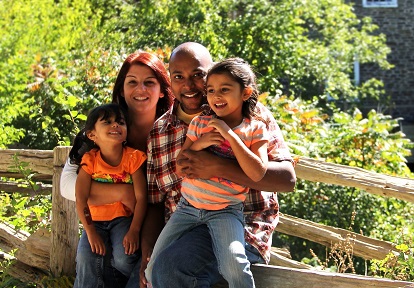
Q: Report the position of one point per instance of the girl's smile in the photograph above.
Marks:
(225, 96)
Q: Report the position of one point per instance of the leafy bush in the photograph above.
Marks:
(349, 139)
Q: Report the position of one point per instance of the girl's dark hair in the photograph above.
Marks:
(242, 73)
(155, 64)
(81, 143)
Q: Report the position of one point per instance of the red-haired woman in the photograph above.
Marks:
(142, 88)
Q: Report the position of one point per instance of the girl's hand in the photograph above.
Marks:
(131, 242)
(96, 242)
(220, 126)
(206, 140)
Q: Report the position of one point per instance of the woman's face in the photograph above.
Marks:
(141, 89)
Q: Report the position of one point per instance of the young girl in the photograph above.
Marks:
(235, 132)
(99, 149)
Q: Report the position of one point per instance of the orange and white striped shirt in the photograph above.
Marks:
(218, 193)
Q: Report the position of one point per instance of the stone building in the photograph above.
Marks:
(395, 19)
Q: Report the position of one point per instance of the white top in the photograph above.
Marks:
(68, 180)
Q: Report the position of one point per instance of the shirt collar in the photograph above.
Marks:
(170, 117)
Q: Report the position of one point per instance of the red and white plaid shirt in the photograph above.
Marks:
(165, 141)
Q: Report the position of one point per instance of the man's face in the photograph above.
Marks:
(188, 75)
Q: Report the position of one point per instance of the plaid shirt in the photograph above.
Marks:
(165, 141)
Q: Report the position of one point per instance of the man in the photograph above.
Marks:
(190, 261)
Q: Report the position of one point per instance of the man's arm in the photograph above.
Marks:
(279, 177)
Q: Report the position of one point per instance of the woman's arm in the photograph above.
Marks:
(100, 193)
(103, 193)
(279, 177)
(68, 180)
(131, 239)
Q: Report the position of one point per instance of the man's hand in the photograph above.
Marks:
(200, 164)
(144, 263)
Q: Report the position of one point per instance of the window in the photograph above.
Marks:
(379, 3)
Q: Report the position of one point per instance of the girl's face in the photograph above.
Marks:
(141, 90)
(108, 132)
(225, 96)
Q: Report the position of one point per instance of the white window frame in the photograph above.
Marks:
(380, 3)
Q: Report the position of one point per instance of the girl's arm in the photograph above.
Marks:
(131, 239)
(252, 161)
(206, 140)
(83, 184)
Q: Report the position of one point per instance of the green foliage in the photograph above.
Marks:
(38, 38)
(397, 266)
(59, 59)
(348, 139)
(25, 212)
(7, 281)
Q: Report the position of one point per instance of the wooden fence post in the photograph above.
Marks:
(65, 223)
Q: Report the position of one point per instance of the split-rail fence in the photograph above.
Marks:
(53, 252)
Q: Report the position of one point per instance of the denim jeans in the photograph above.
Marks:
(227, 243)
(90, 267)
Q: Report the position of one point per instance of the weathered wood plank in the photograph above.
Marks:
(32, 250)
(25, 188)
(365, 247)
(65, 223)
(36, 250)
(10, 238)
(268, 276)
(281, 260)
(25, 273)
(39, 161)
(374, 183)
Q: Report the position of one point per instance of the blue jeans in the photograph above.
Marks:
(90, 266)
(226, 242)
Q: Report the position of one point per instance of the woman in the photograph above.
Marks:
(143, 89)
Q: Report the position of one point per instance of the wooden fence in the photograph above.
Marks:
(54, 252)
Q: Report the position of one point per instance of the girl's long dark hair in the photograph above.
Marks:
(242, 73)
(81, 143)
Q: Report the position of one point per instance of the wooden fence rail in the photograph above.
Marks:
(47, 166)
